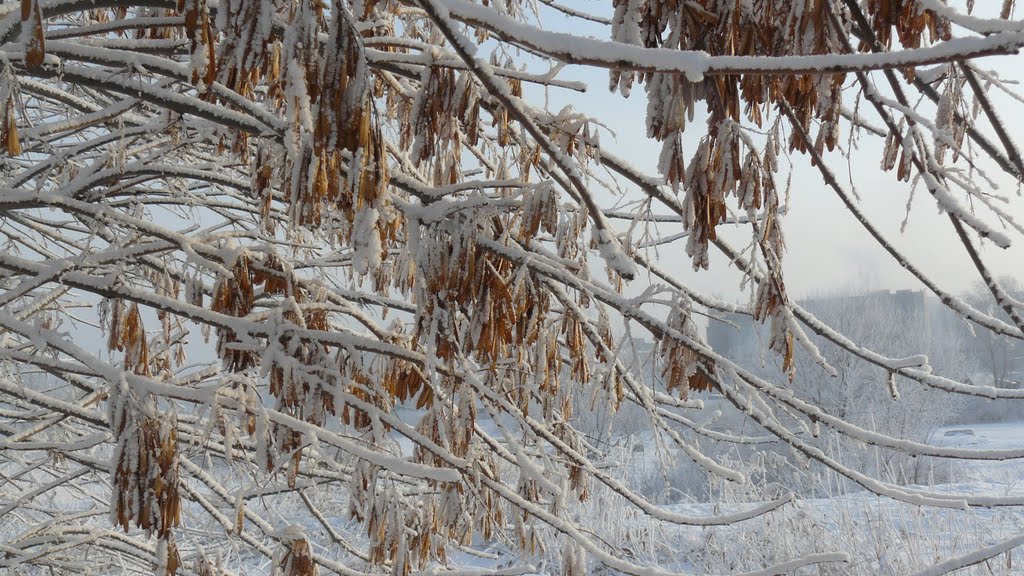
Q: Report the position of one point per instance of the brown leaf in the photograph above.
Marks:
(11, 134)
(35, 46)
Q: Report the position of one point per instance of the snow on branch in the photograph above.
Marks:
(318, 287)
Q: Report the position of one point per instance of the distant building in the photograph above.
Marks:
(736, 336)
(1001, 359)
(643, 348)
(909, 304)
(740, 338)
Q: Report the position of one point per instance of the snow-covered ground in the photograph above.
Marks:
(987, 477)
(881, 535)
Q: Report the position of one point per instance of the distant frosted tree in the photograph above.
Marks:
(394, 269)
(899, 324)
(1002, 356)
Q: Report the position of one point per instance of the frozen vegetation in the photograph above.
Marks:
(303, 287)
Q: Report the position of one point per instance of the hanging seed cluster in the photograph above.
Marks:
(8, 121)
(127, 334)
(912, 25)
(295, 557)
(302, 376)
(682, 368)
(145, 472)
(726, 164)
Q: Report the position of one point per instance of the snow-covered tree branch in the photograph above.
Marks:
(306, 286)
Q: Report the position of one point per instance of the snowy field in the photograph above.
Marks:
(881, 536)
